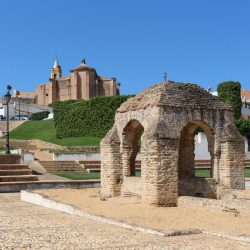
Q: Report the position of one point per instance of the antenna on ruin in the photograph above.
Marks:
(165, 76)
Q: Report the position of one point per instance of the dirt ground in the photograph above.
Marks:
(131, 210)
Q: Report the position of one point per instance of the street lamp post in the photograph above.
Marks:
(7, 98)
(19, 109)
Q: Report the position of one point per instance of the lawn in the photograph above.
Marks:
(79, 176)
(202, 172)
(88, 176)
(206, 173)
(247, 172)
(45, 131)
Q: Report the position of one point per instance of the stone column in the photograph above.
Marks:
(160, 182)
(111, 168)
(232, 158)
(186, 157)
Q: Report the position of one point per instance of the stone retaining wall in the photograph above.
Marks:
(234, 206)
(12, 125)
(61, 166)
(84, 149)
(38, 144)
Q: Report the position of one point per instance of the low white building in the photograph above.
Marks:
(201, 147)
(3, 111)
(20, 108)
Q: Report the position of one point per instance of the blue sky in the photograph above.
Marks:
(205, 42)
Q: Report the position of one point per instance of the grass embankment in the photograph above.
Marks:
(88, 176)
(45, 131)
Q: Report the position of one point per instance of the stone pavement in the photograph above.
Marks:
(25, 226)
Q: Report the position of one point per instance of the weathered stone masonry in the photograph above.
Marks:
(169, 114)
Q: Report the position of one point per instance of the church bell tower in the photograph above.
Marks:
(56, 71)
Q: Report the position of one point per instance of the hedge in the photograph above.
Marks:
(229, 92)
(76, 118)
(40, 115)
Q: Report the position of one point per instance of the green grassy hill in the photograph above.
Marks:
(45, 131)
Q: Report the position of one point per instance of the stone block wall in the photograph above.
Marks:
(131, 186)
(199, 187)
(12, 125)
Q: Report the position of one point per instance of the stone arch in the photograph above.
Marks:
(130, 147)
(186, 146)
(170, 113)
(186, 159)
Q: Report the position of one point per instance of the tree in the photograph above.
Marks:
(229, 92)
(244, 127)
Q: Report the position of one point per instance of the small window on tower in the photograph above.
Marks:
(47, 94)
(55, 76)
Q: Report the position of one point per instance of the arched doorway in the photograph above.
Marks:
(130, 148)
(189, 183)
(131, 144)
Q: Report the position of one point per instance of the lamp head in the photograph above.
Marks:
(7, 97)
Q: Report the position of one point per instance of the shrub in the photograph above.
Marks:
(75, 118)
(229, 92)
(40, 115)
(244, 127)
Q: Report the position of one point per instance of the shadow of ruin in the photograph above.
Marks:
(161, 122)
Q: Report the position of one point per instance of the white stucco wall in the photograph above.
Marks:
(201, 147)
(246, 144)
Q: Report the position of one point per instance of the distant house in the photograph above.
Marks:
(245, 100)
(245, 110)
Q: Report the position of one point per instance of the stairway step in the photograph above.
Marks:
(15, 172)
(15, 178)
(13, 166)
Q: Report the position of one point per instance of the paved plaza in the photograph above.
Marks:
(26, 226)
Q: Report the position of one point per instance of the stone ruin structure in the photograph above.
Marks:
(167, 116)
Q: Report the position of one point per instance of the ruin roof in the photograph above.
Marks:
(174, 94)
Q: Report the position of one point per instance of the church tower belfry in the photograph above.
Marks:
(56, 71)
